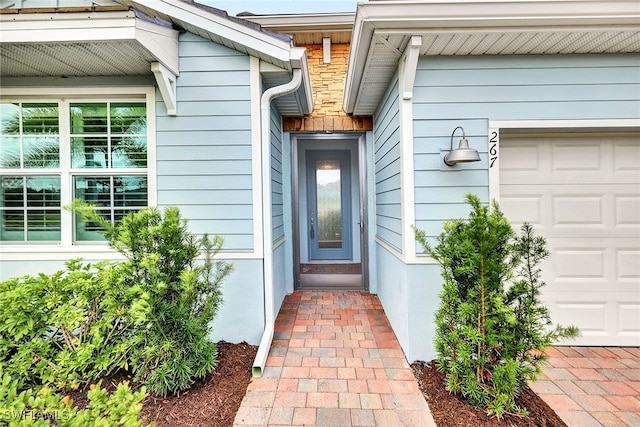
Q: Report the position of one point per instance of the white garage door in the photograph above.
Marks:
(582, 193)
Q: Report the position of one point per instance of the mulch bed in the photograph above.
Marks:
(450, 411)
(214, 401)
(210, 402)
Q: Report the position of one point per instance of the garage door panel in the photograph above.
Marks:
(523, 207)
(599, 318)
(521, 159)
(591, 211)
(579, 210)
(628, 265)
(626, 157)
(627, 210)
(582, 194)
(568, 178)
(588, 287)
(592, 315)
(629, 318)
(563, 157)
(573, 263)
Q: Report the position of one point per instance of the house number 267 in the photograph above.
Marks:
(493, 148)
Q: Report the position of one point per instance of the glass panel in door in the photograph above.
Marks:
(329, 202)
(328, 199)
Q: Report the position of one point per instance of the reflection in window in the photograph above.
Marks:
(29, 136)
(30, 208)
(89, 118)
(103, 139)
(329, 204)
(108, 135)
(115, 196)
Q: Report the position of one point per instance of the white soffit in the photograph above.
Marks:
(464, 27)
(84, 44)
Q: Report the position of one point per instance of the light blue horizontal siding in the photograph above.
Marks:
(207, 63)
(236, 183)
(203, 154)
(387, 178)
(211, 92)
(533, 93)
(277, 196)
(199, 46)
(520, 111)
(213, 121)
(208, 137)
(206, 152)
(204, 108)
(471, 91)
(188, 196)
(206, 167)
(194, 79)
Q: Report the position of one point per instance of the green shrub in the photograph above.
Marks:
(183, 293)
(491, 328)
(69, 328)
(44, 407)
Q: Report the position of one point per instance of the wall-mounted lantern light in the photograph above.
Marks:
(463, 153)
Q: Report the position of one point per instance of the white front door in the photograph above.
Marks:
(582, 193)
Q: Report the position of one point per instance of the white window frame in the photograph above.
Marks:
(67, 248)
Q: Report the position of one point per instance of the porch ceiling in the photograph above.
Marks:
(74, 59)
(383, 30)
(84, 44)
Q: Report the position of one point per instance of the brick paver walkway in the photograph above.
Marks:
(334, 361)
(592, 386)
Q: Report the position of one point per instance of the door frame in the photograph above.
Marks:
(359, 138)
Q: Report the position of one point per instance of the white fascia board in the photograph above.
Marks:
(161, 42)
(360, 44)
(178, 11)
(499, 13)
(464, 16)
(67, 27)
(306, 22)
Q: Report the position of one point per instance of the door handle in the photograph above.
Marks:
(312, 232)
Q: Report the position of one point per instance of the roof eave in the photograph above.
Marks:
(291, 23)
(409, 18)
(117, 27)
(179, 12)
(267, 45)
(305, 92)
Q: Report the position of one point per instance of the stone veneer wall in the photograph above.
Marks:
(327, 82)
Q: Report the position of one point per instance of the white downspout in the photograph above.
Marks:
(267, 232)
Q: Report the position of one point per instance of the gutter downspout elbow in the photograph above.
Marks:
(267, 232)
